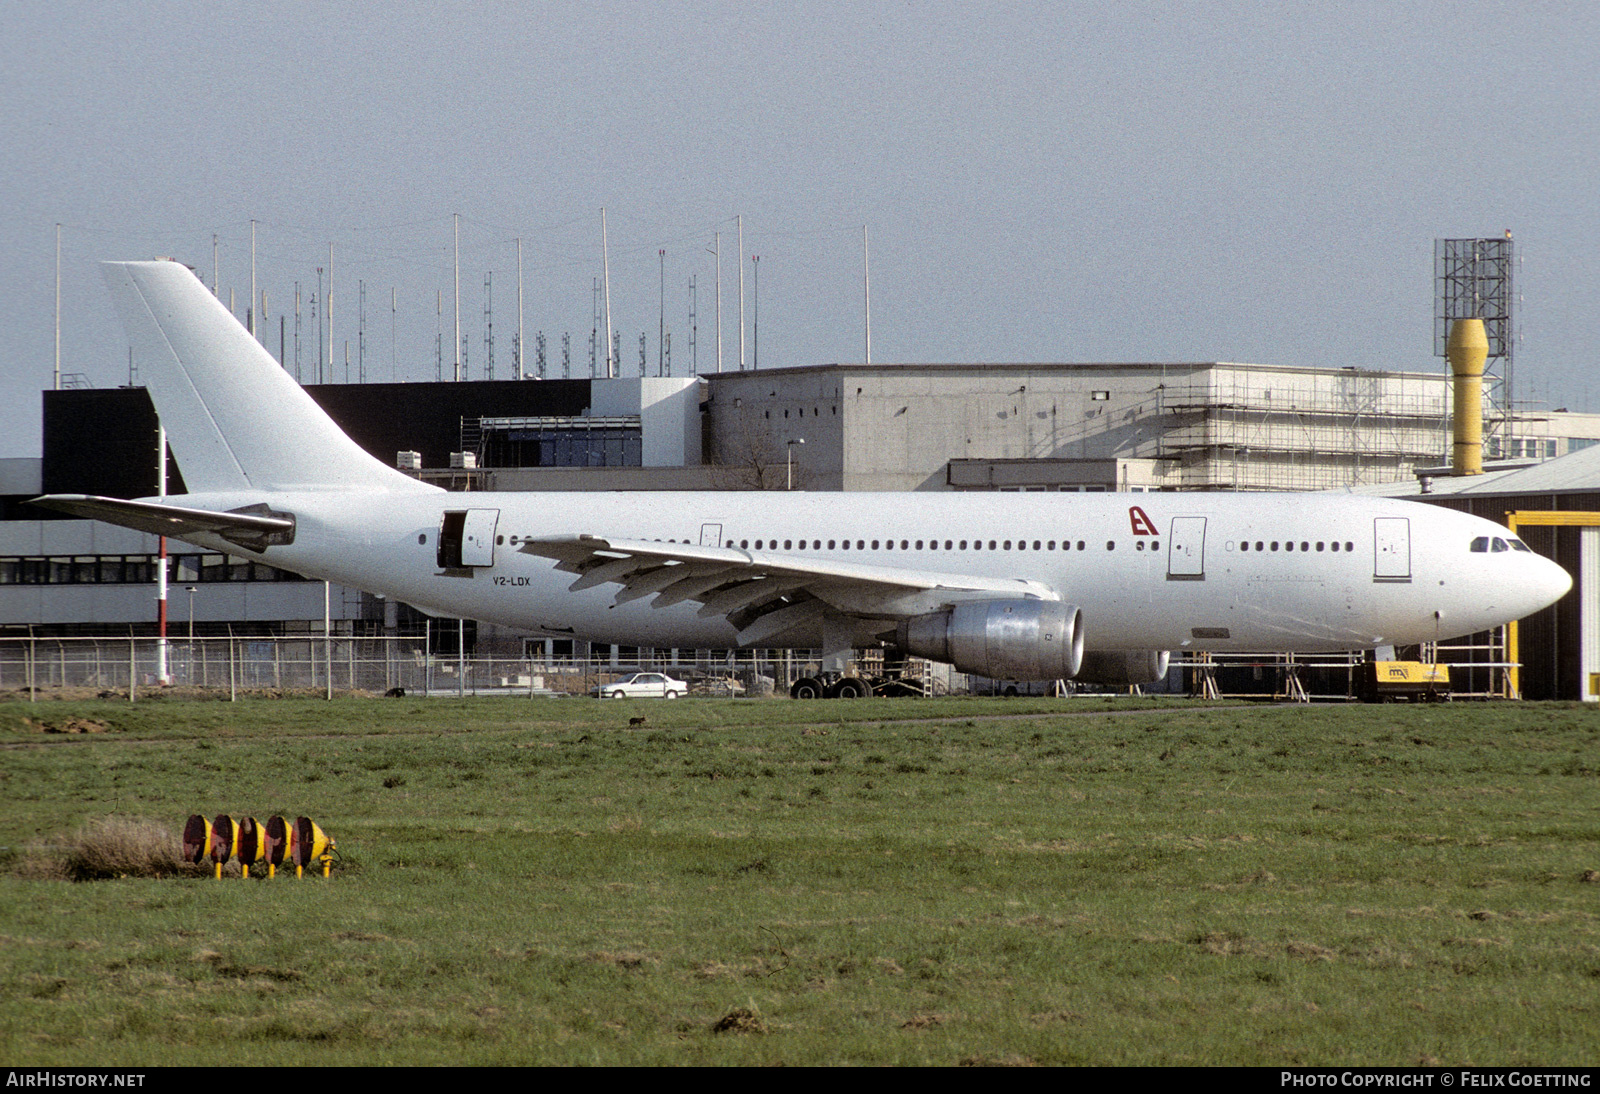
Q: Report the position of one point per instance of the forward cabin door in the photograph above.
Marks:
(711, 535)
(1391, 538)
(1186, 549)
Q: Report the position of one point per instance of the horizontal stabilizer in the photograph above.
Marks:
(254, 528)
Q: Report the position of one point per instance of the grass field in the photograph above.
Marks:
(871, 882)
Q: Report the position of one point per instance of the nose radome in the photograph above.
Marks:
(1555, 582)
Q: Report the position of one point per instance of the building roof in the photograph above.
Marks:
(1575, 472)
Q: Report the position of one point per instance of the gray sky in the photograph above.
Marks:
(1053, 182)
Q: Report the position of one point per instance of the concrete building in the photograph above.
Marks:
(1199, 426)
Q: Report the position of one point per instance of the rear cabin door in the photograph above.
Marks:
(466, 538)
(1391, 538)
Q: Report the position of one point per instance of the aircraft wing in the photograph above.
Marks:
(253, 527)
(764, 593)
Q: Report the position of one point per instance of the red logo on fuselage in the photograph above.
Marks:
(1142, 524)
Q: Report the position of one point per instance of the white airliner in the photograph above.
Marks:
(1013, 586)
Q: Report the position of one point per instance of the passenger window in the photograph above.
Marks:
(1080, 545)
(1111, 545)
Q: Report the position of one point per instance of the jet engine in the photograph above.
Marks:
(1123, 667)
(1001, 639)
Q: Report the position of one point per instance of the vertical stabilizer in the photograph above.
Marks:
(235, 420)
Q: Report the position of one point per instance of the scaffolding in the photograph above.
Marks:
(1253, 429)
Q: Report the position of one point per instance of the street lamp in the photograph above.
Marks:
(789, 478)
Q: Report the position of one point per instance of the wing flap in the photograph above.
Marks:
(729, 580)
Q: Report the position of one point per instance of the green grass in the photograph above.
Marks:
(872, 882)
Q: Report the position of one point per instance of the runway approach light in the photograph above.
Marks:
(250, 841)
(224, 840)
(277, 844)
(196, 839)
(310, 845)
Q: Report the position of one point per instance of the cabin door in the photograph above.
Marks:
(711, 535)
(1392, 543)
(1186, 549)
(466, 538)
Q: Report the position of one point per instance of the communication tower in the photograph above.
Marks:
(1473, 280)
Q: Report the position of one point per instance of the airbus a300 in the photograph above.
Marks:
(1018, 586)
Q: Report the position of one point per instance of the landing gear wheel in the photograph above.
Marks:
(851, 688)
(807, 687)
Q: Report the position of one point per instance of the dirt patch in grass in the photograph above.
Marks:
(740, 1020)
(64, 725)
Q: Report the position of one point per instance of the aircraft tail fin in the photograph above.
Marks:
(234, 418)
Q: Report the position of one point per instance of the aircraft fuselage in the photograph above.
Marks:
(1149, 571)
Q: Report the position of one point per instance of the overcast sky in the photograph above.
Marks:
(1046, 182)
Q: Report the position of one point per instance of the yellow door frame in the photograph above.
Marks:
(1546, 518)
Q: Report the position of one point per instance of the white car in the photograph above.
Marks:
(643, 685)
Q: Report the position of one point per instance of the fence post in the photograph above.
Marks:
(133, 670)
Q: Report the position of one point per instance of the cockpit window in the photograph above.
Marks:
(1518, 545)
(1480, 545)
(1498, 545)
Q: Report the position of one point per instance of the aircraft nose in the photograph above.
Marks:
(1552, 581)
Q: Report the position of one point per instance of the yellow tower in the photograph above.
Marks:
(1467, 350)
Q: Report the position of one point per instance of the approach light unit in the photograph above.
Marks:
(248, 840)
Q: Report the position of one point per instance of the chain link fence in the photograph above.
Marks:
(30, 667)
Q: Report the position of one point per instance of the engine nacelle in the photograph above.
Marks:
(1124, 667)
(1001, 639)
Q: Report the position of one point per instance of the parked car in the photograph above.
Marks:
(643, 685)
